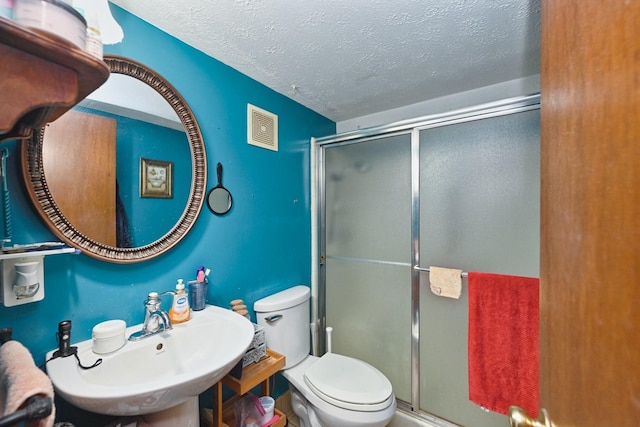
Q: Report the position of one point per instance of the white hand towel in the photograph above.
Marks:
(445, 282)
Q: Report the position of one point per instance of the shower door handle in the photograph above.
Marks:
(518, 417)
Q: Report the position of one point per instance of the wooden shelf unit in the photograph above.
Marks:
(41, 77)
(253, 375)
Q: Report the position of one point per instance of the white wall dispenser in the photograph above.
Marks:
(23, 276)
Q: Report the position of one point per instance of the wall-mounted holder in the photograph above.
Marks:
(23, 276)
(22, 280)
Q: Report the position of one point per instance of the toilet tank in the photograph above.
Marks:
(285, 318)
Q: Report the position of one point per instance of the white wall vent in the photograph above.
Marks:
(262, 128)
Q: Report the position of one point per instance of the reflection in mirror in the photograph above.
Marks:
(83, 170)
(116, 147)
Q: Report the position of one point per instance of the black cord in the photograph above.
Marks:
(96, 363)
(72, 351)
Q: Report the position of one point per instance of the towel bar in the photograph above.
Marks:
(426, 270)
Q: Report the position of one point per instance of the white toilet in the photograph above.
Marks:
(327, 391)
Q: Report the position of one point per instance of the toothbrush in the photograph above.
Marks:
(201, 275)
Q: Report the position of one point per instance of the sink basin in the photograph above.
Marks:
(158, 372)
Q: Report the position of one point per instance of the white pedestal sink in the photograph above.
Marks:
(162, 374)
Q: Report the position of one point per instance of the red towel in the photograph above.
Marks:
(503, 341)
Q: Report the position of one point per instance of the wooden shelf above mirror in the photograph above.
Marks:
(41, 77)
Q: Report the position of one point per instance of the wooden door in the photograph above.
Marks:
(590, 219)
(79, 160)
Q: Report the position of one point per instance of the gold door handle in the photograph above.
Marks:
(518, 417)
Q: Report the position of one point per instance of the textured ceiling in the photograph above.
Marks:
(349, 58)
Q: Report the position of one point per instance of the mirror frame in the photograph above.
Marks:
(46, 207)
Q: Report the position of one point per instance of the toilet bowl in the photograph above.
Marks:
(347, 403)
(328, 391)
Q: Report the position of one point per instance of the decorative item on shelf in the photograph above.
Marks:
(93, 44)
(52, 17)
(238, 306)
(255, 353)
(110, 31)
(258, 336)
(6, 9)
(268, 404)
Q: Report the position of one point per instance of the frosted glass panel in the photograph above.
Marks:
(368, 274)
(480, 195)
(368, 199)
(479, 211)
(368, 306)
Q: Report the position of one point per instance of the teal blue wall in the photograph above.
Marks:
(261, 246)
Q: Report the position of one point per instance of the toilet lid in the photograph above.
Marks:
(341, 379)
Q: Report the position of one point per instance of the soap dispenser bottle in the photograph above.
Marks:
(180, 311)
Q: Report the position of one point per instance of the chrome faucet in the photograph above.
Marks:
(156, 320)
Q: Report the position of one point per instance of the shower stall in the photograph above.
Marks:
(458, 190)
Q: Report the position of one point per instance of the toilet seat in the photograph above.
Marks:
(349, 383)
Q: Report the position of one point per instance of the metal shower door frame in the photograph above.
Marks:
(412, 127)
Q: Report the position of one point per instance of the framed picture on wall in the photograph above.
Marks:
(156, 178)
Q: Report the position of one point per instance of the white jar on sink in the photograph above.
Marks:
(108, 336)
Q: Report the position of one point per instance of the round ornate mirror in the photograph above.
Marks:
(169, 187)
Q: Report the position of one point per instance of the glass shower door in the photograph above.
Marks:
(368, 235)
(458, 190)
(479, 211)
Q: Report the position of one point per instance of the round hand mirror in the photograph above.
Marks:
(219, 198)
